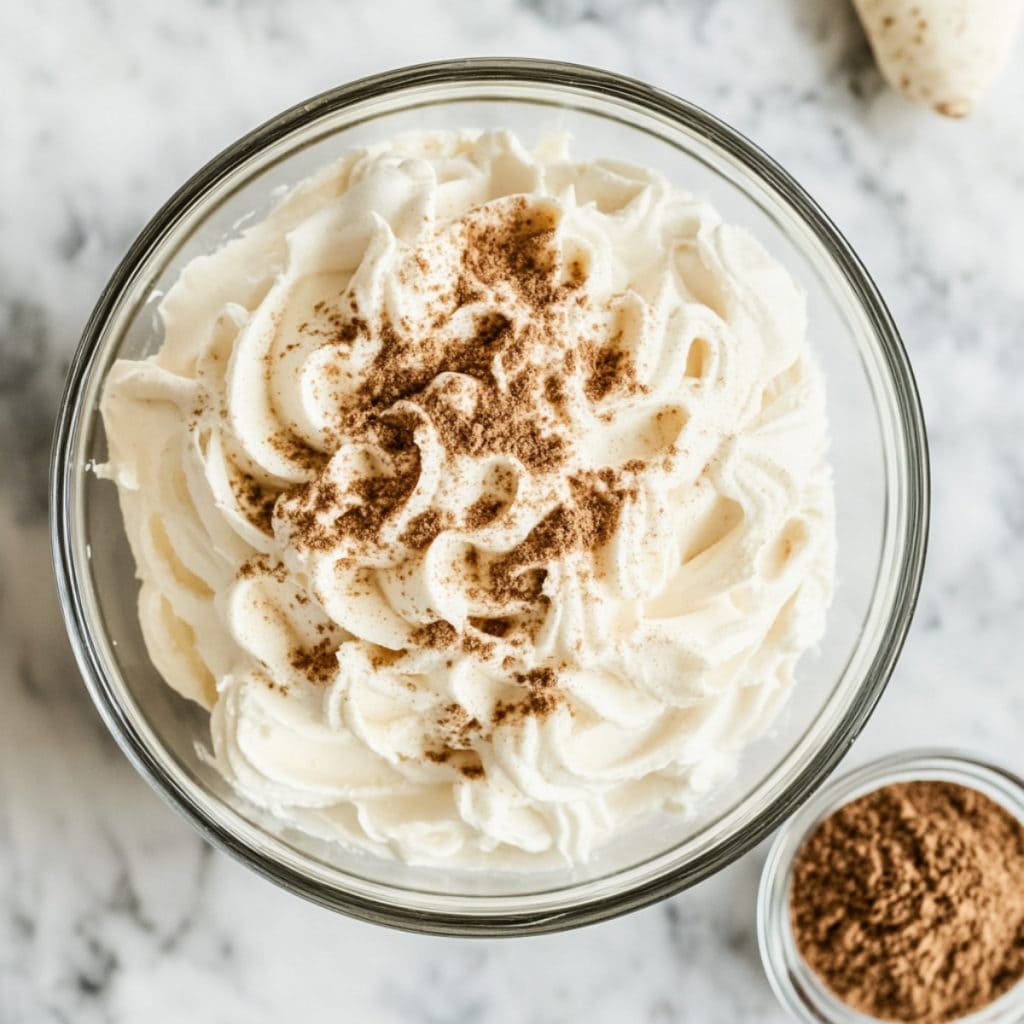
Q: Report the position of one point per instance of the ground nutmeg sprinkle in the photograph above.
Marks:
(908, 903)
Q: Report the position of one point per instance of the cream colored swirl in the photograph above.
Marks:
(483, 610)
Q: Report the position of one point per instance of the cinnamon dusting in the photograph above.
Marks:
(477, 376)
(319, 663)
(543, 697)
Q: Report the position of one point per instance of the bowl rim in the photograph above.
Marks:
(797, 989)
(568, 78)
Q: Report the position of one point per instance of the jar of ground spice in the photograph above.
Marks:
(897, 894)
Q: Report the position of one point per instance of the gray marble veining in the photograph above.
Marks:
(111, 908)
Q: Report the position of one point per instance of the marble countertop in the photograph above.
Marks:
(111, 908)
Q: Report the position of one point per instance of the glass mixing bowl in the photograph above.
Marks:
(879, 454)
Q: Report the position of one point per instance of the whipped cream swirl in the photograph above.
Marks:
(482, 497)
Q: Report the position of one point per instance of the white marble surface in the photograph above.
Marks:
(111, 908)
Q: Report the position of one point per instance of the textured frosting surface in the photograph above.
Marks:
(482, 497)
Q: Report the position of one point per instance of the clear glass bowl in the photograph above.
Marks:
(797, 987)
(879, 454)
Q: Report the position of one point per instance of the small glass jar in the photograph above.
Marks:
(796, 985)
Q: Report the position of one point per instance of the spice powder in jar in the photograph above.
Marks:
(908, 903)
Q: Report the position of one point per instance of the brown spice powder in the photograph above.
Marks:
(909, 902)
(584, 523)
(511, 247)
(308, 507)
(255, 501)
(543, 697)
(483, 511)
(298, 451)
(319, 663)
(423, 529)
(262, 565)
(610, 369)
(458, 729)
(485, 383)
(436, 635)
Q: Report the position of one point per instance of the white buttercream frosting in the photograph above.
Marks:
(490, 615)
